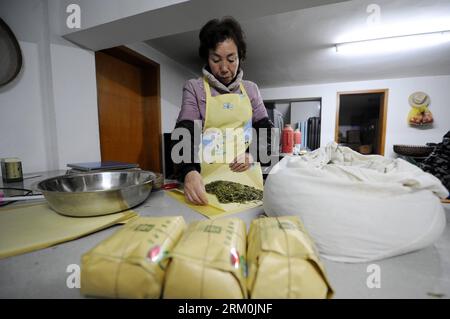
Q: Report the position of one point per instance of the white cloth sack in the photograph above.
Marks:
(358, 208)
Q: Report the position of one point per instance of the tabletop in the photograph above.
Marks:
(52, 272)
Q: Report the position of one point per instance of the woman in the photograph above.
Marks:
(220, 99)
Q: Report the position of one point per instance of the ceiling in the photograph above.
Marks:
(111, 23)
(297, 47)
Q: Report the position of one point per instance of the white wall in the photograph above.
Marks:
(48, 114)
(397, 131)
(22, 127)
(303, 110)
(74, 95)
(25, 127)
(75, 98)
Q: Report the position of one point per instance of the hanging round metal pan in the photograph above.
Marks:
(10, 57)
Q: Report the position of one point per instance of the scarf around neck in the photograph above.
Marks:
(219, 85)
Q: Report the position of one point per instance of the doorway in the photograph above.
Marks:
(129, 111)
(361, 120)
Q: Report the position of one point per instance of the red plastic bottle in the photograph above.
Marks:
(297, 137)
(287, 139)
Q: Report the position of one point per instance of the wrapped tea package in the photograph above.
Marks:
(283, 262)
(208, 261)
(131, 263)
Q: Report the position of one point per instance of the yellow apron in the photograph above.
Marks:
(226, 134)
(228, 126)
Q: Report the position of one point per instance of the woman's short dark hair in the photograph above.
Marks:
(216, 31)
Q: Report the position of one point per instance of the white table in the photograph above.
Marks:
(43, 273)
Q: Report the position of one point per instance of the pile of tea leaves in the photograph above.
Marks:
(231, 192)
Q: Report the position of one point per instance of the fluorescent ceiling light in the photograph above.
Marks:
(394, 44)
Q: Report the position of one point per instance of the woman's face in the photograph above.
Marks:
(224, 61)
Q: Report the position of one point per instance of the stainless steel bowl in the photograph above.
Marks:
(94, 194)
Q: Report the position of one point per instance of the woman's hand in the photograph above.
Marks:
(194, 189)
(242, 163)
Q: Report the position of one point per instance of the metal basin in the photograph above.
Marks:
(94, 194)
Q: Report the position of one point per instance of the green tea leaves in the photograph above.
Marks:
(231, 192)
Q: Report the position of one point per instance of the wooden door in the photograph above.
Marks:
(380, 138)
(129, 108)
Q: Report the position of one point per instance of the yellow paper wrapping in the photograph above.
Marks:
(283, 261)
(208, 262)
(130, 263)
(221, 172)
(29, 227)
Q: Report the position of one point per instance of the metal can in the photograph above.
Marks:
(11, 170)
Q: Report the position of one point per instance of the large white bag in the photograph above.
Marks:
(358, 208)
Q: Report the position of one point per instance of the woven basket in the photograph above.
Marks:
(413, 150)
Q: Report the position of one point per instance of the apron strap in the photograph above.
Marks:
(243, 91)
(207, 88)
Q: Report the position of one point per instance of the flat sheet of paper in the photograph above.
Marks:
(219, 172)
(30, 227)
